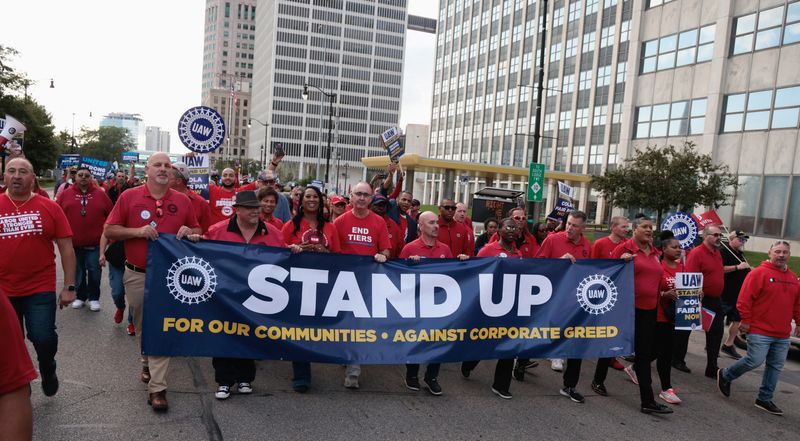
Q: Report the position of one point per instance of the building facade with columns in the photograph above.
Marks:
(621, 75)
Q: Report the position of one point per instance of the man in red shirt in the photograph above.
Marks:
(379, 206)
(86, 207)
(178, 181)
(268, 198)
(568, 244)
(140, 214)
(706, 258)
(362, 232)
(16, 374)
(245, 226)
(29, 224)
(768, 301)
(222, 197)
(603, 247)
(451, 233)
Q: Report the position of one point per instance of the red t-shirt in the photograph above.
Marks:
(364, 236)
(95, 205)
(136, 208)
(229, 231)
(646, 273)
(201, 210)
(558, 244)
(494, 249)
(667, 284)
(703, 260)
(221, 202)
(396, 236)
(27, 256)
(274, 221)
(419, 248)
(16, 368)
(306, 235)
(769, 300)
(603, 247)
(529, 246)
(456, 236)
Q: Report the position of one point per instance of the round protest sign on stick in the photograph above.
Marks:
(201, 129)
(683, 227)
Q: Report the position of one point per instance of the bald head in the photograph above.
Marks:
(228, 177)
(429, 227)
(157, 157)
(158, 169)
(361, 196)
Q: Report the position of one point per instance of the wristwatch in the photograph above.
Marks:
(70, 287)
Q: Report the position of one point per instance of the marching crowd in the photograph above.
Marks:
(109, 224)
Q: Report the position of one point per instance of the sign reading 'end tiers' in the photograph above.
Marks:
(201, 129)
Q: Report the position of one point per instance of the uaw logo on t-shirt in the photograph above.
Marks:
(683, 227)
(597, 294)
(201, 129)
(27, 223)
(314, 237)
(227, 205)
(191, 280)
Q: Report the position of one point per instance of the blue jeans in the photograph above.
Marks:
(761, 348)
(37, 315)
(87, 273)
(117, 287)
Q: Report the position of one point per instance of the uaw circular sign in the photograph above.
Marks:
(683, 227)
(201, 129)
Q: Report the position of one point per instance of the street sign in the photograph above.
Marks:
(536, 182)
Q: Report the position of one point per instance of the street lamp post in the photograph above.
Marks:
(332, 97)
(264, 146)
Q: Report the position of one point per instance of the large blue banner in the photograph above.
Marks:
(250, 301)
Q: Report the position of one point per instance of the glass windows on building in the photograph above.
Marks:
(688, 47)
(764, 203)
(680, 118)
(761, 110)
(766, 29)
(655, 3)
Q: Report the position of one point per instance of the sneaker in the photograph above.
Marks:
(730, 351)
(656, 408)
(465, 371)
(433, 387)
(94, 305)
(245, 388)
(769, 406)
(669, 396)
(723, 384)
(223, 392)
(572, 394)
(631, 374)
(681, 366)
(131, 329)
(351, 382)
(557, 364)
(412, 383)
(504, 394)
(118, 315)
(49, 383)
(76, 304)
(599, 389)
(617, 365)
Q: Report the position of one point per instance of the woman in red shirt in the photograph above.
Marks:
(671, 264)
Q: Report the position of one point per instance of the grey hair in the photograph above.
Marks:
(639, 221)
(616, 220)
(778, 243)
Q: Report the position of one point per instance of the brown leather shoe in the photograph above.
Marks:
(158, 401)
(145, 375)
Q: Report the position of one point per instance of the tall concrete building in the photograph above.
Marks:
(131, 121)
(156, 140)
(228, 49)
(624, 74)
(351, 48)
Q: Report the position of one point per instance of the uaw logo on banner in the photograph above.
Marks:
(683, 227)
(201, 129)
(249, 301)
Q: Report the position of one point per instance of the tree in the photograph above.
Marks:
(662, 179)
(10, 80)
(105, 143)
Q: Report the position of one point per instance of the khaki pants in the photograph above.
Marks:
(134, 291)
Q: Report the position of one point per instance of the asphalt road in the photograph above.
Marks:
(101, 398)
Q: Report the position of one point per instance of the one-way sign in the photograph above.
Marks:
(536, 182)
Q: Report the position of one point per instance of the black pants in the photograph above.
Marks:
(644, 345)
(664, 345)
(572, 372)
(431, 371)
(714, 334)
(229, 371)
(680, 345)
(502, 372)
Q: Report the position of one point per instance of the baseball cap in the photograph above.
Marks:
(738, 233)
(247, 199)
(336, 200)
(379, 199)
(182, 168)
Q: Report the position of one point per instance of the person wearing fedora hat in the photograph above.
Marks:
(244, 226)
(736, 268)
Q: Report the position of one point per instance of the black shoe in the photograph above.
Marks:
(730, 351)
(656, 408)
(572, 394)
(681, 366)
(519, 372)
(504, 394)
(433, 387)
(464, 371)
(412, 383)
(769, 406)
(599, 389)
(723, 384)
(300, 388)
(49, 383)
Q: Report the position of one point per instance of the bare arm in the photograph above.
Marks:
(118, 232)
(68, 265)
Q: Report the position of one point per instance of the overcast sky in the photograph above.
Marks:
(145, 57)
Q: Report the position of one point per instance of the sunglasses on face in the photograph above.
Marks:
(448, 207)
(510, 228)
(517, 218)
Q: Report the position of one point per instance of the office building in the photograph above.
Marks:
(156, 140)
(131, 121)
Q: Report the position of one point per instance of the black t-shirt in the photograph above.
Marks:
(733, 279)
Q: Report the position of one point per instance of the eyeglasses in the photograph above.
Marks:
(510, 228)
(448, 207)
(159, 204)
